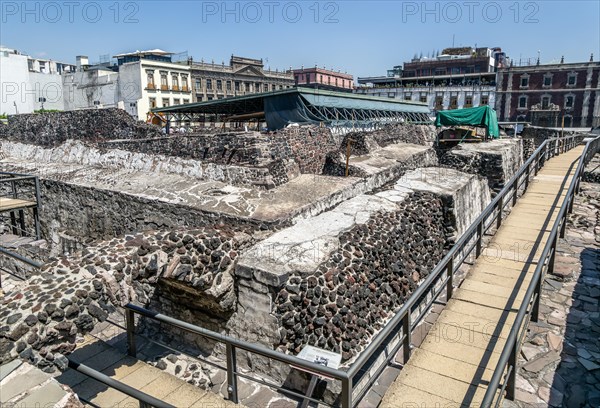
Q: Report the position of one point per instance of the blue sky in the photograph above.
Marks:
(361, 37)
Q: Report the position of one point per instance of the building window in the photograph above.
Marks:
(569, 102)
(468, 101)
(219, 85)
(453, 102)
(152, 103)
(150, 80)
(266, 87)
(209, 84)
(439, 102)
(184, 83)
(256, 87)
(198, 84)
(525, 82)
(485, 99)
(200, 98)
(228, 85)
(175, 82)
(308, 78)
(247, 86)
(165, 102)
(164, 84)
(545, 102)
(175, 101)
(408, 96)
(209, 98)
(547, 80)
(237, 85)
(572, 79)
(522, 102)
(423, 97)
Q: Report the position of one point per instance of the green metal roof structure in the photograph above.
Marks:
(307, 105)
(482, 116)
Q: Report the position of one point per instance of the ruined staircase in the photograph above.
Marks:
(114, 363)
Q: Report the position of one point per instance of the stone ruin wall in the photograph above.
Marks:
(352, 295)
(157, 270)
(269, 159)
(53, 128)
(363, 143)
(497, 166)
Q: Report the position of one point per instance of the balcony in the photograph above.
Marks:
(151, 87)
(185, 89)
(175, 88)
(164, 87)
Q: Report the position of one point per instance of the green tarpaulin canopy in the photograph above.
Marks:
(480, 116)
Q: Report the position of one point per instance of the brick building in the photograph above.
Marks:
(543, 94)
(457, 78)
(324, 79)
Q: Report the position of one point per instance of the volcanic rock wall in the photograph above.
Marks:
(497, 160)
(53, 128)
(376, 268)
(194, 268)
(366, 142)
(266, 175)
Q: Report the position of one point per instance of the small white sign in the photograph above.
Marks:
(319, 356)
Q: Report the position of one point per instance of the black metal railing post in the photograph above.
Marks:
(499, 219)
(479, 239)
(407, 336)
(36, 216)
(512, 375)
(130, 322)
(515, 192)
(232, 389)
(450, 284)
(347, 393)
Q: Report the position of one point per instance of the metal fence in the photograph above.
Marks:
(357, 379)
(25, 187)
(529, 309)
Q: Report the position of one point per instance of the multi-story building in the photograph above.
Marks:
(242, 76)
(324, 79)
(28, 84)
(544, 94)
(457, 78)
(139, 81)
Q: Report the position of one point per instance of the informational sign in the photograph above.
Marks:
(319, 356)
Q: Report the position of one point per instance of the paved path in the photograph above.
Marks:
(151, 380)
(456, 360)
(560, 358)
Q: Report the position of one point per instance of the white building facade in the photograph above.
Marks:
(29, 84)
(140, 81)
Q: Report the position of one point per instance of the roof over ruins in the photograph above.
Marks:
(306, 105)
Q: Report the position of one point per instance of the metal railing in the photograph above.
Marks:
(145, 400)
(22, 186)
(396, 333)
(529, 309)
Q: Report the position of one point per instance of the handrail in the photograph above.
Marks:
(509, 353)
(146, 401)
(402, 319)
(20, 257)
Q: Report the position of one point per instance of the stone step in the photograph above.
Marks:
(115, 363)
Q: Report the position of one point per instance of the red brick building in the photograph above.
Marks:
(543, 94)
(323, 78)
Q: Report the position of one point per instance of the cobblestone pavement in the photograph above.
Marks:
(560, 358)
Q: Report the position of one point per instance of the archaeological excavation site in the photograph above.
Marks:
(265, 269)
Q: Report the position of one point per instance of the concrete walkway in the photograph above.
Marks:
(135, 373)
(456, 360)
